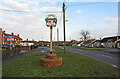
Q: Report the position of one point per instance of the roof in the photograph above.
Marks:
(117, 41)
(15, 36)
(81, 42)
(113, 39)
(30, 41)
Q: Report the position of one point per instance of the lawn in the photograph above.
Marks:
(41, 54)
(74, 65)
(35, 54)
(86, 48)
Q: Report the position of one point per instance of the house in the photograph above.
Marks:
(80, 44)
(117, 43)
(27, 43)
(17, 39)
(73, 43)
(3, 38)
(43, 43)
(95, 43)
(109, 42)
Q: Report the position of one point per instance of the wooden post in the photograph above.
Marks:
(58, 36)
(64, 27)
(50, 39)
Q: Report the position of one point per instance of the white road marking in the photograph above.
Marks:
(23, 51)
(105, 55)
(114, 65)
(61, 48)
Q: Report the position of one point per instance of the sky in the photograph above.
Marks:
(27, 18)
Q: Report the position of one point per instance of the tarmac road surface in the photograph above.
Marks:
(103, 56)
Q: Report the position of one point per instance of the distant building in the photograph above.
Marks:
(28, 42)
(95, 43)
(110, 41)
(3, 38)
(1, 35)
(117, 43)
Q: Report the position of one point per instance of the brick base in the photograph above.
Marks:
(51, 61)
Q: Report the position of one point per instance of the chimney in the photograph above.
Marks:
(17, 34)
(3, 31)
(12, 33)
(0, 28)
(117, 37)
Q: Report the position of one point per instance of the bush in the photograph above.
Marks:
(17, 46)
(5, 54)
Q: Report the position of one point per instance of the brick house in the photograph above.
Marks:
(3, 38)
(17, 39)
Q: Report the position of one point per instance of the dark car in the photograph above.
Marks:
(5, 46)
(88, 45)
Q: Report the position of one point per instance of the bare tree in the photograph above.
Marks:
(85, 36)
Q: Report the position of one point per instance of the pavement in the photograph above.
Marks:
(15, 57)
(103, 56)
(24, 52)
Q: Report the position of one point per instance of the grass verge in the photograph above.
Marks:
(74, 65)
(86, 48)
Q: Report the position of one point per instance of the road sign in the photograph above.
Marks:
(10, 38)
(51, 20)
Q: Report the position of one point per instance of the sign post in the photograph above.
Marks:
(51, 22)
(51, 60)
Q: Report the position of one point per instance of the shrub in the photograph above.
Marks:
(17, 46)
(5, 54)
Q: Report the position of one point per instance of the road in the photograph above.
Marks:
(104, 56)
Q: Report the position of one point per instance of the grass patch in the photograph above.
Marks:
(56, 50)
(35, 54)
(86, 48)
(74, 65)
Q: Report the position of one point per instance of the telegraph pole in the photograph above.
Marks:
(58, 36)
(64, 27)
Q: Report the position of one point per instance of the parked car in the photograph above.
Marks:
(88, 45)
(74, 45)
(5, 46)
(78, 45)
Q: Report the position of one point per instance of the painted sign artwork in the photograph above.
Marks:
(51, 20)
(10, 38)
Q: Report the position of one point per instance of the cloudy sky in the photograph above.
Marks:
(27, 17)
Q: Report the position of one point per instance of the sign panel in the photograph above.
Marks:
(51, 20)
(10, 38)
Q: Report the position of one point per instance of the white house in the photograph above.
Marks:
(26, 44)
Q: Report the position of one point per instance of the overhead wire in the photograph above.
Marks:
(27, 11)
(85, 4)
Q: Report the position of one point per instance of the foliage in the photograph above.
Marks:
(5, 54)
(17, 46)
(85, 36)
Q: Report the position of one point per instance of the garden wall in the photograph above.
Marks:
(10, 52)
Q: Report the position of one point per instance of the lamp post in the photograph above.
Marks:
(51, 22)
